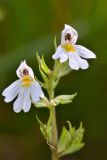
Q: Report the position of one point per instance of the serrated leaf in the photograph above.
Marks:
(44, 76)
(44, 67)
(64, 69)
(42, 127)
(64, 140)
(38, 58)
(71, 129)
(73, 141)
(63, 99)
(42, 64)
(73, 148)
(49, 130)
(78, 136)
(55, 83)
(46, 130)
(42, 103)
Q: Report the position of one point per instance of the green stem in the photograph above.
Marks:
(54, 141)
(54, 133)
(54, 76)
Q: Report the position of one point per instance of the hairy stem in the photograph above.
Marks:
(54, 141)
(54, 133)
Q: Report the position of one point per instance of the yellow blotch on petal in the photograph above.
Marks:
(69, 47)
(27, 81)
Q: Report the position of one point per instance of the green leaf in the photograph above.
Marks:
(46, 130)
(44, 76)
(42, 64)
(70, 140)
(78, 136)
(64, 140)
(38, 58)
(42, 103)
(63, 69)
(55, 83)
(42, 127)
(73, 148)
(63, 99)
(44, 67)
(44, 70)
(71, 128)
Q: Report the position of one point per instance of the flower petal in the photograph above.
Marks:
(38, 89)
(26, 100)
(63, 57)
(35, 98)
(57, 53)
(18, 104)
(72, 62)
(22, 67)
(84, 52)
(11, 92)
(83, 64)
(36, 92)
(73, 33)
(10, 97)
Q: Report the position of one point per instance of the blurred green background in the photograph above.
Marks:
(30, 25)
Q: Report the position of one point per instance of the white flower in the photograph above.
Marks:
(68, 50)
(26, 89)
